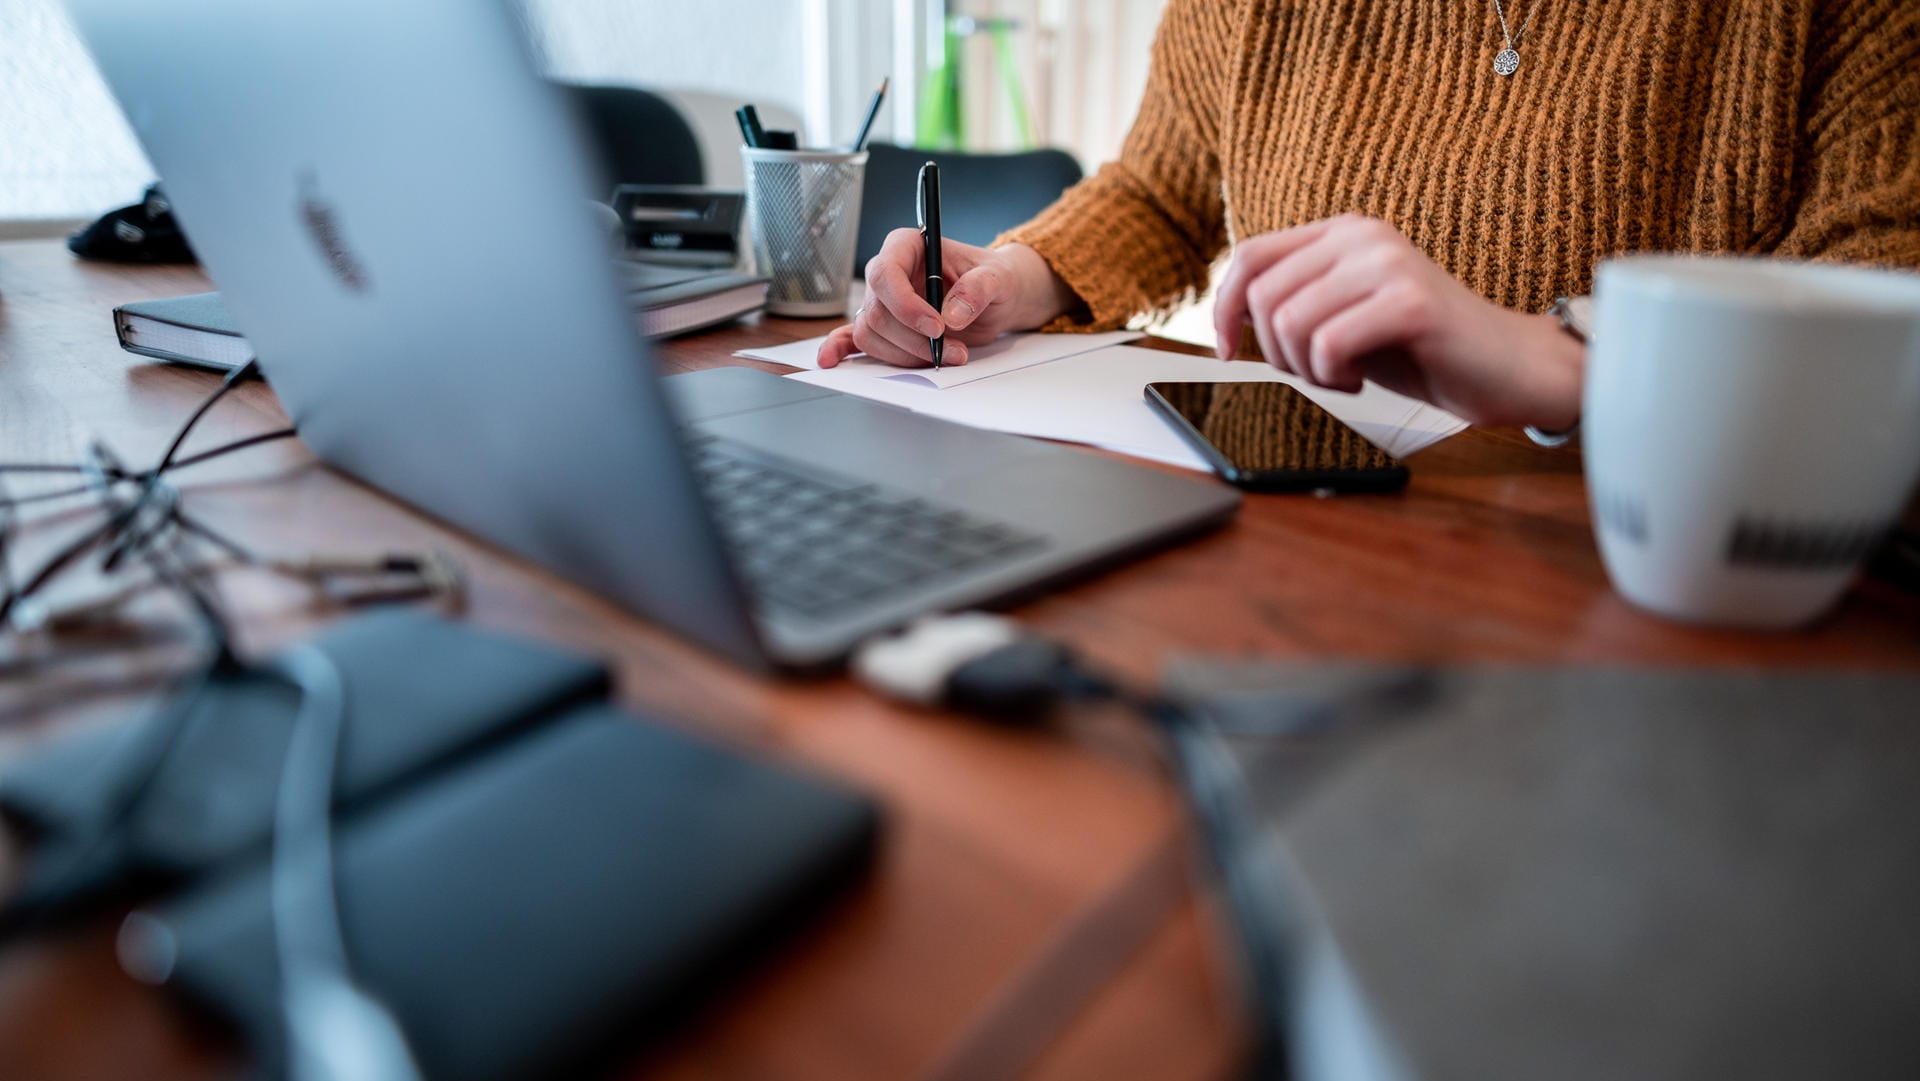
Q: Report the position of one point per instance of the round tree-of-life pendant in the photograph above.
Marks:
(1507, 62)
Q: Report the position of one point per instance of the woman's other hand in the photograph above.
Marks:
(1349, 299)
(990, 292)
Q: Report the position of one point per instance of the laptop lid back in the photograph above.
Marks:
(395, 207)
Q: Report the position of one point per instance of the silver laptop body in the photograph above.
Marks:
(395, 208)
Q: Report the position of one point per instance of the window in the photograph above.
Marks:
(65, 151)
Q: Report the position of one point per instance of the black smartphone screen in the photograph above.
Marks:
(1270, 436)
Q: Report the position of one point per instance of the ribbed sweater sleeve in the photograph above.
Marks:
(1857, 181)
(1140, 234)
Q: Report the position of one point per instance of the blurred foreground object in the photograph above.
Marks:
(1590, 873)
(1752, 431)
(527, 878)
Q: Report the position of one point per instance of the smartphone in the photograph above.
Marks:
(1269, 437)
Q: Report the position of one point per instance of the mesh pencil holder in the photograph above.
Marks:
(803, 214)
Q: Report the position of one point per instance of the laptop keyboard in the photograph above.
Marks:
(815, 546)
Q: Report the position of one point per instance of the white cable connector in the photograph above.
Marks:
(914, 664)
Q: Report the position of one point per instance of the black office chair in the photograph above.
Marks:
(981, 195)
(641, 136)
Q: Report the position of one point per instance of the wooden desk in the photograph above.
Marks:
(1031, 910)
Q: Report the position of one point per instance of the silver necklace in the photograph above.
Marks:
(1508, 61)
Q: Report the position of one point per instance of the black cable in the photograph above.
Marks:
(54, 565)
(38, 467)
(112, 473)
(133, 771)
(125, 478)
(148, 516)
(182, 579)
(136, 769)
(186, 580)
(152, 476)
(80, 547)
(1028, 677)
(212, 536)
(49, 496)
(1255, 897)
(229, 448)
(336, 1031)
(7, 518)
(233, 379)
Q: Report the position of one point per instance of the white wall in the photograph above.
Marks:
(751, 49)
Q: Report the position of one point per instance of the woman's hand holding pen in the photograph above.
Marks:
(990, 292)
(1349, 299)
(1336, 302)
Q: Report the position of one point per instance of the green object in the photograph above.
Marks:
(942, 123)
(1010, 78)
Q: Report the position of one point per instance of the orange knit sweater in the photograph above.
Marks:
(1783, 126)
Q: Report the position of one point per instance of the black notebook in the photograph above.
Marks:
(197, 330)
(194, 330)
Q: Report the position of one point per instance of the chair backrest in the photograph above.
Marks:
(981, 195)
(642, 136)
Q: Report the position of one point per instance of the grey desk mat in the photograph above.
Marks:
(1593, 874)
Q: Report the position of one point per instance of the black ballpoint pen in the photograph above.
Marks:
(929, 203)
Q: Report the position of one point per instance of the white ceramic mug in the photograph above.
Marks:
(1751, 430)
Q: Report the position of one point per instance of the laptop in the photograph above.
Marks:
(396, 209)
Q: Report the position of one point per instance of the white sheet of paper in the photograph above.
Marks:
(1009, 354)
(1426, 427)
(1098, 398)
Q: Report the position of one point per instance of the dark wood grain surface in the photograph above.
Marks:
(1030, 910)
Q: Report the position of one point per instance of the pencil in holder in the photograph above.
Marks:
(803, 220)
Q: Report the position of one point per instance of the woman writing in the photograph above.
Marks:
(1407, 186)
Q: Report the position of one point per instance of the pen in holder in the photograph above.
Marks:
(803, 216)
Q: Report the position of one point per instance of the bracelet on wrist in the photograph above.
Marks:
(1576, 316)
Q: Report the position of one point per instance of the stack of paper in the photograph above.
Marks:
(1085, 388)
(1008, 354)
